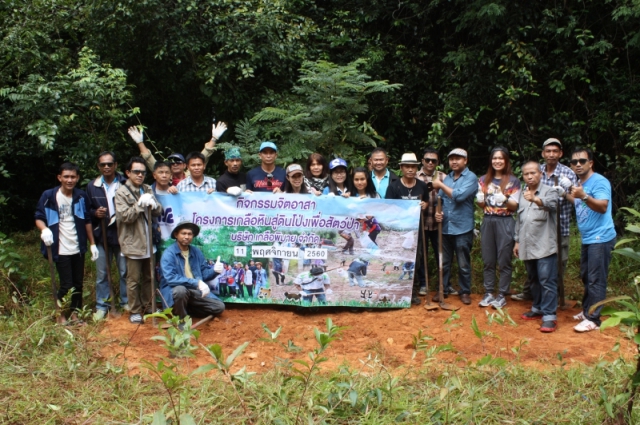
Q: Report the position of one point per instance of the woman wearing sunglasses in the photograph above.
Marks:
(498, 194)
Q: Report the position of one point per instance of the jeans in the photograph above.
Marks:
(594, 270)
(409, 272)
(543, 274)
(190, 301)
(139, 285)
(102, 283)
(356, 279)
(497, 249)
(461, 245)
(319, 294)
(526, 289)
(70, 272)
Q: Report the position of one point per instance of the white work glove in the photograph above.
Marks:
(499, 198)
(331, 194)
(565, 183)
(218, 267)
(94, 252)
(560, 190)
(47, 236)
(204, 288)
(146, 200)
(217, 130)
(136, 134)
(480, 196)
(234, 190)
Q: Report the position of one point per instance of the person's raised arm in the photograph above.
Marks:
(138, 137)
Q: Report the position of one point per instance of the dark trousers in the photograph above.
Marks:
(348, 246)
(70, 272)
(249, 290)
(373, 235)
(190, 301)
(224, 290)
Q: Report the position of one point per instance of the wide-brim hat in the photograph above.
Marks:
(409, 159)
(185, 225)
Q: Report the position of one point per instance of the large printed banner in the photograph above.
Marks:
(362, 252)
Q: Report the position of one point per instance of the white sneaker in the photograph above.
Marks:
(579, 316)
(99, 315)
(136, 319)
(585, 326)
(499, 302)
(126, 307)
(486, 300)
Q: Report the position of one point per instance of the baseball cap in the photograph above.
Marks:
(176, 156)
(294, 168)
(268, 144)
(552, 141)
(338, 162)
(458, 152)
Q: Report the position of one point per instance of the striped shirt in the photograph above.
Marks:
(566, 209)
(187, 185)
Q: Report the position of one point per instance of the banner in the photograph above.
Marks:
(303, 249)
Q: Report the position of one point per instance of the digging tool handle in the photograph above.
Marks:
(440, 274)
(152, 265)
(561, 301)
(424, 258)
(105, 245)
(52, 271)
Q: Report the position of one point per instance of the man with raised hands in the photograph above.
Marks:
(133, 201)
(176, 160)
(62, 216)
(184, 272)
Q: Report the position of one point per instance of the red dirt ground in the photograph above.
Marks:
(385, 333)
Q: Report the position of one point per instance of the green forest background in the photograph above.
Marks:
(331, 76)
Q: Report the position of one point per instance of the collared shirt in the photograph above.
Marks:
(565, 206)
(536, 226)
(430, 217)
(188, 185)
(382, 184)
(110, 189)
(458, 210)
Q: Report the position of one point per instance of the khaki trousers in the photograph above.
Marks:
(139, 285)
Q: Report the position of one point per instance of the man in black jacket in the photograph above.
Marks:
(101, 192)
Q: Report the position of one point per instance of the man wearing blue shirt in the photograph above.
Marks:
(380, 174)
(457, 192)
(267, 176)
(592, 199)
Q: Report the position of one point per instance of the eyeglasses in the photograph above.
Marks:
(139, 172)
(582, 161)
(430, 160)
(105, 164)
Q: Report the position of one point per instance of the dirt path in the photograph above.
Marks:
(387, 334)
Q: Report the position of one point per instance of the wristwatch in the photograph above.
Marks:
(584, 198)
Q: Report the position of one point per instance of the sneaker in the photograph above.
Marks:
(99, 315)
(585, 326)
(549, 326)
(580, 316)
(415, 301)
(423, 290)
(531, 315)
(486, 300)
(136, 319)
(499, 302)
(451, 291)
(126, 307)
(521, 297)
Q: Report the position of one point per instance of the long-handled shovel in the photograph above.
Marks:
(54, 290)
(561, 301)
(152, 265)
(428, 305)
(113, 311)
(443, 305)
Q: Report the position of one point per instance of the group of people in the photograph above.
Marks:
(112, 217)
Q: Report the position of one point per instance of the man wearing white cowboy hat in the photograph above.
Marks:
(410, 187)
(184, 270)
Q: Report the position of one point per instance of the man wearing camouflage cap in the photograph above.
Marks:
(232, 177)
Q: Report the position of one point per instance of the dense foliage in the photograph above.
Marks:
(75, 74)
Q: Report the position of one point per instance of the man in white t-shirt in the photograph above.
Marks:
(63, 218)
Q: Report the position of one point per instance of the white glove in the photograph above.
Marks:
(217, 130)
(499, 198)
(560, 190)
(204, 288)
(331, 194)
(565, 183)
(480, 197)
(135, 134)
(146, 200)
(94, 252)
(234, 190)
(47, 236)
(218, 267)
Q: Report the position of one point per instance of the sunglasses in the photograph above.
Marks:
(269, 180)
(105, 164)
(139, 172)
(582, 161)
(176, 161)
(430, 160)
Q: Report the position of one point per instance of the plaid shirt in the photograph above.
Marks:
(565, 206)
(187, 185)
(430, 218)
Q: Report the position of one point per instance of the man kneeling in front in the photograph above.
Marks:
(184, 271)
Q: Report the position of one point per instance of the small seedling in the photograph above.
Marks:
(178, 336)
(291, 347)
(272, 336)
(481, 335)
